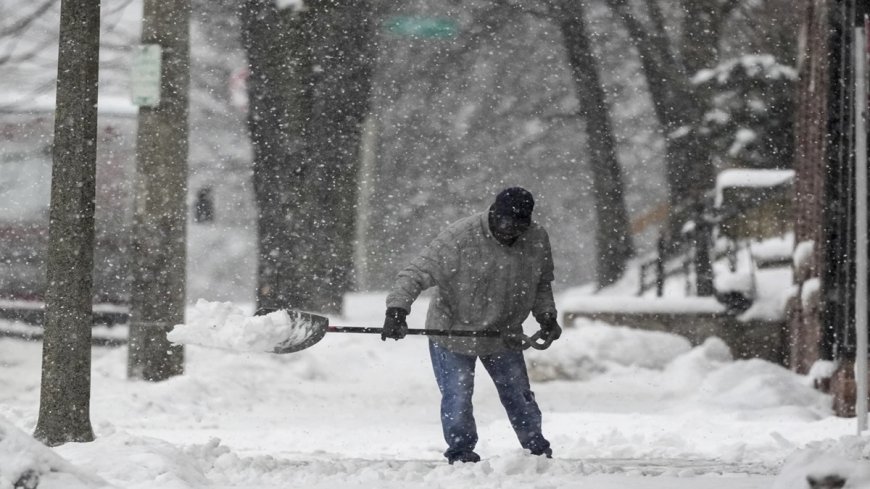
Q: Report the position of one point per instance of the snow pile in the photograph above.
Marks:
(741, 279)
(224, 466)
(810, 290)
(842, 463)
(25, 464)
(778, 248)
(710, 376)
(803, 253)
(756, 384)
(593, 347)
(687, 372)
(774, 289)
(224, 325)
(707, 373)
(153, 463)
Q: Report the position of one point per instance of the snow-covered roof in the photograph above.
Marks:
(750, 178)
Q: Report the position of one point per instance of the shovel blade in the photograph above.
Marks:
(303, 330)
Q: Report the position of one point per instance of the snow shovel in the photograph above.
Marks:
(307, 329)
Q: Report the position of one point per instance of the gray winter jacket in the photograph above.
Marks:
(482, 284)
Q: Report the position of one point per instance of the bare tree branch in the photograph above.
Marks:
(112, 11)
(24, 22)
(665, 78)
(117, 8)
(540, 14)
(727, 7)
(30, 54)
(655, 43)
(487, 23)
(443, 63)
(659, 30)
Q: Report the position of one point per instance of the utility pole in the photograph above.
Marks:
(64, 401)
(861, 285)
(160, 217)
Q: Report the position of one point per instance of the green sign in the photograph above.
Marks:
(145, 82)
(423, 27)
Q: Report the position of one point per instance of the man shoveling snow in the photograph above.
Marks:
(491, 269)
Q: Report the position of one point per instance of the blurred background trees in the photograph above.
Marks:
(458, 99)
(677, 40)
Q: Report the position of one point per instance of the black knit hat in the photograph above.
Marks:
(514, 202)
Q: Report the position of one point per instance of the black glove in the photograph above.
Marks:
(395, 326)
(513, 341)
(549, 326)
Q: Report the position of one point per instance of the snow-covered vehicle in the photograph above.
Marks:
(25, 190)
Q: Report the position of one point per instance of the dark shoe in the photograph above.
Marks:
(463, 457)
(547, 452)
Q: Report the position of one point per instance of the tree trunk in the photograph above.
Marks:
(613, 240)
(690, 174)
(64, 409)
(689, 169)
(342, 50)
(159, 228)
(278, 112)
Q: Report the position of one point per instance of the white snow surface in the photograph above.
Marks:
(803, 252)
(810, 288)
(228, 326)
(753, 178)
(23, 458)
(753, 64)
(622, 408)
(629, 304)
(773, 248)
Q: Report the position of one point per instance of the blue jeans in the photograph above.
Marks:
(454, 373)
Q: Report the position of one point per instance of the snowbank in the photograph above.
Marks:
(840, 464)
(25, 464)
(755, 384)
(708, 373)
(593, 347)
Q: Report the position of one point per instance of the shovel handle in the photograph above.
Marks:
(425, 332)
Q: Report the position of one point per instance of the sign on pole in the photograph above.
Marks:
(145, 81)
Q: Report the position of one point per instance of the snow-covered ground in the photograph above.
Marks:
(622, 408)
